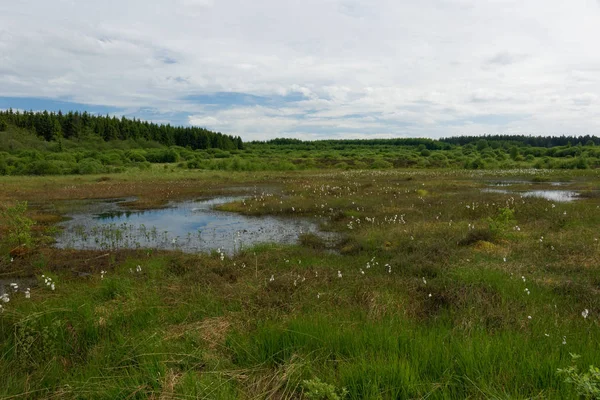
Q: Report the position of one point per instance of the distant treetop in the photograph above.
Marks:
(53, 126)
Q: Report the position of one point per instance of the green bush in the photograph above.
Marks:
(3, 166)
(501, 222)
(381, 164)
(162, 156)
(43, 167)
(587, 384)
(90, 166)
(17, 224)
(135, 156)
(315, 389)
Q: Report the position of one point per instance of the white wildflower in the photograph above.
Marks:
(585, 313)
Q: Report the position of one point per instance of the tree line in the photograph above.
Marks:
(495, 141)
(72, 125)
(523, 140)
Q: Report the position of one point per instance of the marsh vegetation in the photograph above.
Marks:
(436, 288)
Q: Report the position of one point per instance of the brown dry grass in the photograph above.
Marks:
(212, 331)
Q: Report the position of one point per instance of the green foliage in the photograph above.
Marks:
(114, 287)
(587, 384)
(381, 164)
(17, 224)
(33, 144)
(3, 125)
(314, 389)
(162, 156)
(35, 341)
(3, 165)
(90, 166)
(502, 222)
(57, 126)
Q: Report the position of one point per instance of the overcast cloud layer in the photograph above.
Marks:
(311, 69)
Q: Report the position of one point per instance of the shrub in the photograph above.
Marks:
(162, 156)
(501, 222)
(43, 167)
(381, 164)
(587, 384)
(90, 166)
(3, 166)
(18, 225)
(315, 389)
(135, 156)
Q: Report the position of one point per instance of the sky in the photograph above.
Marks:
(311, 69)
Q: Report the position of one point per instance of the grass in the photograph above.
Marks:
(431, 302)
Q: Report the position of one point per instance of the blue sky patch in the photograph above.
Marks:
(41, 104)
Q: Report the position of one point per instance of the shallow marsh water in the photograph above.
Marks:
(190, 226)
(551, 195)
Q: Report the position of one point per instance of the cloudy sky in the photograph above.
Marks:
(311, 69)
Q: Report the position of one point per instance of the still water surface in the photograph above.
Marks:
(191, 226)
(551, 195)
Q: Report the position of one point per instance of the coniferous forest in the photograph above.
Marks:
(55, 126)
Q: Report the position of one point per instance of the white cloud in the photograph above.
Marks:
(364, 67)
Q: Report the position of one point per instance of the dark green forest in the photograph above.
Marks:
(56, 126)
(45, 143)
